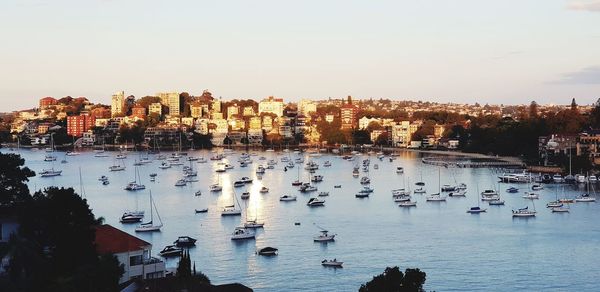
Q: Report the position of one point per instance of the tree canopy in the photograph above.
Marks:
(13, 178)
(393, 280)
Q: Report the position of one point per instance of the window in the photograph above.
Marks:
(135, 260)
(154, 275)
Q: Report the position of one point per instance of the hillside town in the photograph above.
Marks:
(173, 119)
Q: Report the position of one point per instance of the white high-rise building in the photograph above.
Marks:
(117, 103)
(171, 100)
(271, 105)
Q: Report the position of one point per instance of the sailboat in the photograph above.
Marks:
(50, 156)
(586, 196)
(476, 210)
(253, 223)
(100, 153)
(561, 208)
(116, 166)
(297, 182)
(150, 226)
(217, 186)
(73, 153)
(231, 210)
(136, 184)
(437, 197)
(50, 172)
(524, 212)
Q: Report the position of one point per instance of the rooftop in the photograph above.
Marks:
(110, 240)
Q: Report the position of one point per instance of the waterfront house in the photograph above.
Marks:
(134, 253)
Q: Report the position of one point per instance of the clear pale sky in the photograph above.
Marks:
(489, 51)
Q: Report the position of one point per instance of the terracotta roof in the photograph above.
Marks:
(110, 240)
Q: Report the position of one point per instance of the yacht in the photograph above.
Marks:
(559, 210)
(420, 190)
(238, 183)
(324, 236)
(286, 198)
(246, 179)
(554, 204)
(185, 241)
(488, 193)
(531, 196)
(448, 188)
(315, 202)
(362, 194)
(267, 251)
(399, 169)
(557, 178)
(476, 210)
(458, 193)
(133, 186)
(407, 204)
(365, 180)
(585, 198)
(307, 187)
(537, 187)
(171, 251)
(245, 195)
(355, 172)
(201, 210)
(242, 233)
(317, 178)
(323, 194)
(523, 212)
(260, 169)
(132, 217)
(181, 183)
(230, 211)
(164, 165)
(497, 202)
(50, 172)
(436, 198)
(512, 190)
(116, 167)
(253, 224)
(263, 190)
(332, 263)
(490, 198)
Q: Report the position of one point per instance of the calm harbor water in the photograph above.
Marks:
(458, 251)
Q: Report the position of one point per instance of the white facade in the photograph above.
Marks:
(306, 106)
(271, 105)
(118, 104)
(171, 100)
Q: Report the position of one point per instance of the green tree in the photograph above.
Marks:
(393, 280)
(13, 175)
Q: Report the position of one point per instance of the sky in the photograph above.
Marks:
(465, 51)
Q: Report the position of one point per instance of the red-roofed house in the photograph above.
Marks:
(132, 252)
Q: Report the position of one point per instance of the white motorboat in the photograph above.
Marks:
(327, 163)
(531, 196)
(496, 202)
(133, 186)
(407, 204)
(537, 187)
(181, 183)
(317, 178)
(490, 198)
(399, 169)
(420, 190)
(242, 233)
(315, 202)
(263, 190)
(246, 179)
(164, 165)
(365, 180)
(324, 236)
(488, 193)
(260, 169)
(585, 198)
(332, 263)
(286, 198)
(402, 198)
(238, 183)
(198, 193)
(323, 194)
(121, 156)
(50, 172)
(458, 193)
(245, 195)
(306, 188)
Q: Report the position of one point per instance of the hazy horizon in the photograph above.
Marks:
(464, 51)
